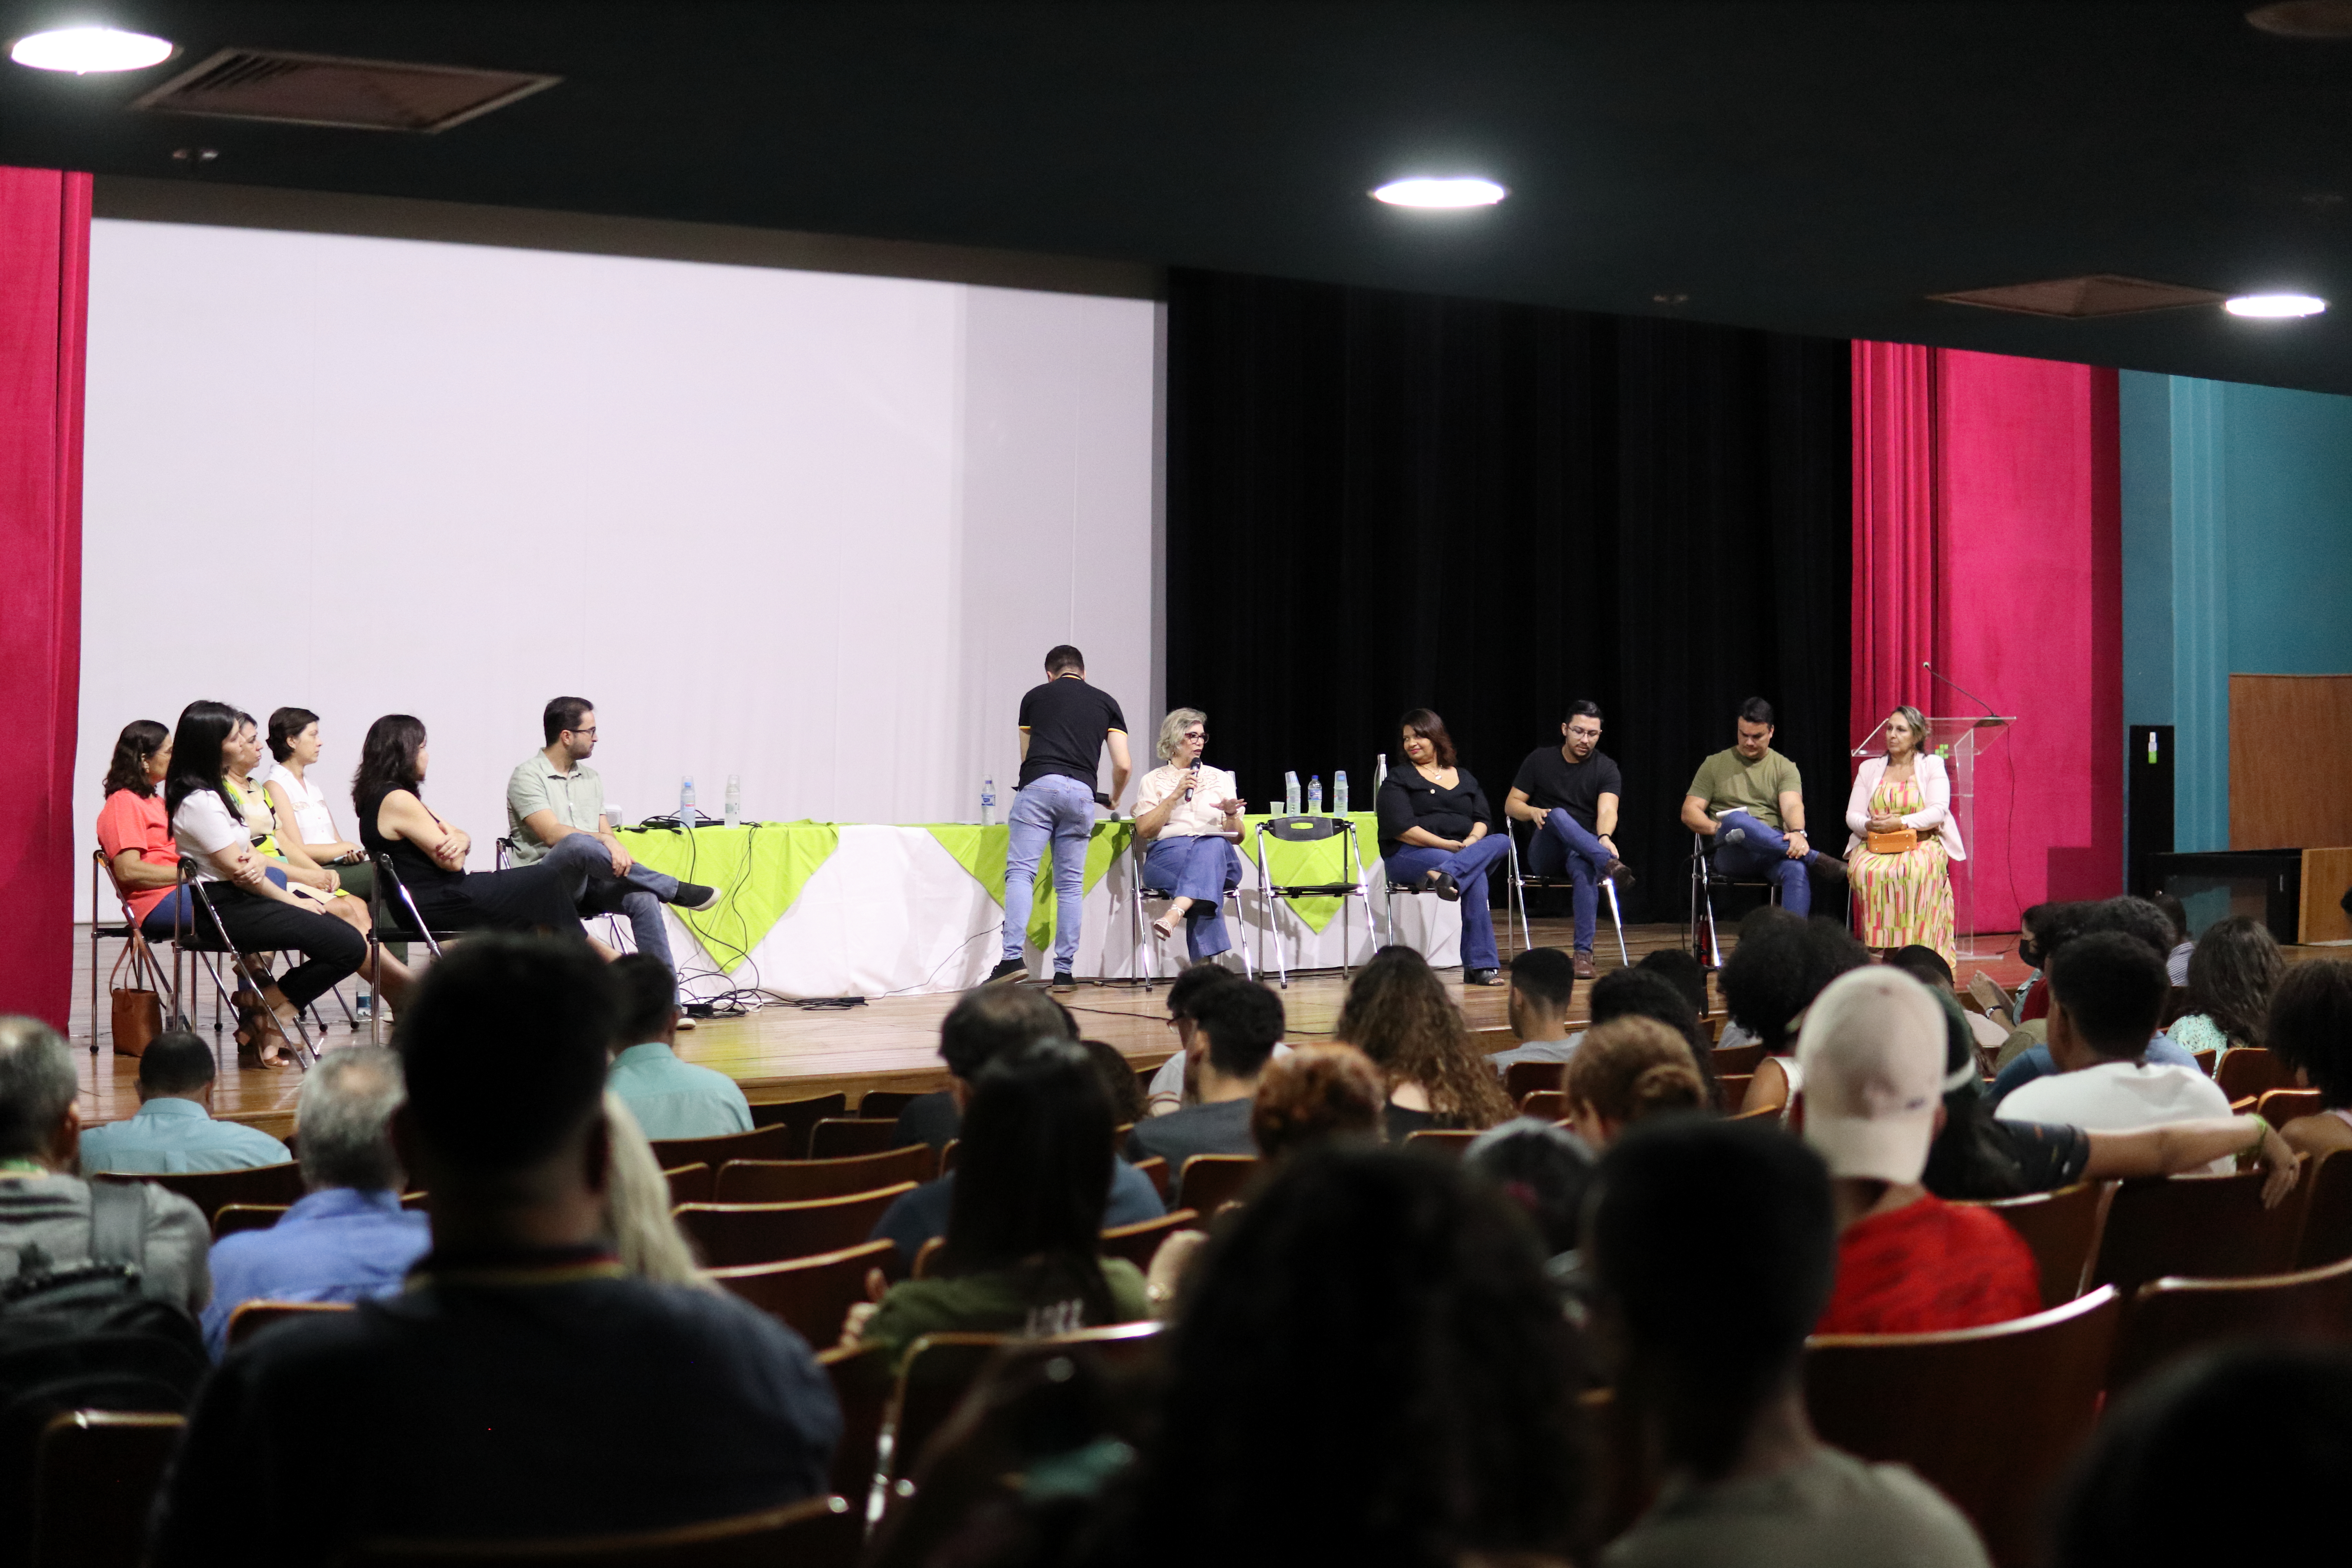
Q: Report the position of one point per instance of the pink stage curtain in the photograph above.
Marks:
(44, 289)
(1988, 539)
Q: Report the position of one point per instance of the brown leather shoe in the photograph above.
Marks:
(1584, 970)
(1619, 872)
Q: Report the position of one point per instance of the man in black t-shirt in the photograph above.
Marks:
(1065, 725)
(1571, 792)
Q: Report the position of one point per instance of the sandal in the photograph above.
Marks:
(261, 1038)
(1165, 927)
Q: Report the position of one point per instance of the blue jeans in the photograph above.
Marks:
(1468, 867)
(1203, 869)
(639, 895)
(1062, 809)
(1562, 843)
(1764, 854)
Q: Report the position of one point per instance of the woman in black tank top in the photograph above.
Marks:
(429, 855)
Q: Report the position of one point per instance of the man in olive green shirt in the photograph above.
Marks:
(1750, 800)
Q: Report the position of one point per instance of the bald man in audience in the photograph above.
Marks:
(524, 1385)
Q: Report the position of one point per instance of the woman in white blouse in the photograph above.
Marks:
(1190, 818)
(257, 912)
(1904, 894)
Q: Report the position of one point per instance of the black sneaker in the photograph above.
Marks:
(1620, 873)
(1012, 969)
(694, 896)
(1477, 978)
(1063, 981)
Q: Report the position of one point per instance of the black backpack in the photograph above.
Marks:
(84, 1337)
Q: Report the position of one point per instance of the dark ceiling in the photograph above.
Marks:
(1811, 168)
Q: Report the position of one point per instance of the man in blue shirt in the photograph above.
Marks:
(348, 1239)
(671, 1098)
(175, 1130)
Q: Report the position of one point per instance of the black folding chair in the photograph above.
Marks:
(1522, 880)
(392, 916)
(205, 937)
(1699, 931)
(1310, 830)
(1144, 960)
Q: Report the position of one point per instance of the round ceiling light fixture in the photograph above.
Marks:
(2275, 307)
(82, 51)
(1433, 192)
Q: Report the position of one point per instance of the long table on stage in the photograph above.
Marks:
(834, 909)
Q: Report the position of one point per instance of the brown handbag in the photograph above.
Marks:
(138, 1013)
(1902, 841)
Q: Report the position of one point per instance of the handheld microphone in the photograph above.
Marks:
(1956, 686)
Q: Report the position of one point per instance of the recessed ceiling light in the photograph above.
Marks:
(2275, 305)
(84, 49)
(1466, 191)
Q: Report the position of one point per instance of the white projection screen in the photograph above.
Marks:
(814, 528)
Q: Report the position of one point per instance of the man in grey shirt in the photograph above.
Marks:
(45, 1210)
(1694, 1214)
(1543, 985)
(552, 794)
(1234, 1029)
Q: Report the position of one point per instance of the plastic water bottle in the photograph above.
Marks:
(734, 800)
(987, 802)
(1314, 795)
(1290, 793)
(1339, 793)
(686, 802)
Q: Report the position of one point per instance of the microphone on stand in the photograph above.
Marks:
(1956, 686)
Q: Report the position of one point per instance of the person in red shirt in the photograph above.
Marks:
(1872, 1055)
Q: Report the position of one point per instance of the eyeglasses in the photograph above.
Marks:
(590, 731)
(1196, 735)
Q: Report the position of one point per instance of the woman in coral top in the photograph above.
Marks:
(1872, 1052)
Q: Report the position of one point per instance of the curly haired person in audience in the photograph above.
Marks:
(2310, 1027)
(1033, 1170)
(1767, 985)
(1398, 1014)
(1873, 1052)
(524, 1385)
(1317, 1094)
(1692, 1214)
(2231, 973)
(1627, 1070)
(1370, 1367)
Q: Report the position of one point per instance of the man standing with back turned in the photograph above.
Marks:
(1065, 725)
(1751, 802)
(1570, 794)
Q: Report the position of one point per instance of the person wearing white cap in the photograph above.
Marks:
(1872, 1055)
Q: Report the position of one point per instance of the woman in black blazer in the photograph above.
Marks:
(1434, 835)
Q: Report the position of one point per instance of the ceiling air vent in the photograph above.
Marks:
(322, 89)
(2100, 294)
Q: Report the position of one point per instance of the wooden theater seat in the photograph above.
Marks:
(688, 1184)
(863, 1378)
(841, 1137)
(1735, 1059)
(760, 1143)
(252, 1317)
(819, 1533)
(2327, 1233)
(941, 1369)
(2202, 1228)
(95, 1479)
(1156, 1169)
(799, 1115)
(1991, 1416)
(812, 1294)
(2280, 1106)
(1546, 1105)
(1445, 1143)
(2250, 1069)
(1521, 1080)
(1140, 1242)
(1209, 1181)
(799, 1181)
(230, 1219)
(212, 1191)
(2171, 1317)
(2062, 1227)
(730, 1235)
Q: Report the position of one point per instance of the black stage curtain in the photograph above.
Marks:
(1379, 500)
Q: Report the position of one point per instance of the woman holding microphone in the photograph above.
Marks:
(1192, 818)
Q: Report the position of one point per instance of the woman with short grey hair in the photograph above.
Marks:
(1190, 818)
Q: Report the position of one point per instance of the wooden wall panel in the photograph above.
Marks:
(2290, 760)
(2326, 874)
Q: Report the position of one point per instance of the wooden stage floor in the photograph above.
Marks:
(788, 1052)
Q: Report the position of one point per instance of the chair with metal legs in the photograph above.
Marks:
(1310, 830)
(1143, 954)
(389, 899)
(504, 859)
(144, 964)
(1521, 880)
(203, 936)
(1699, 930)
